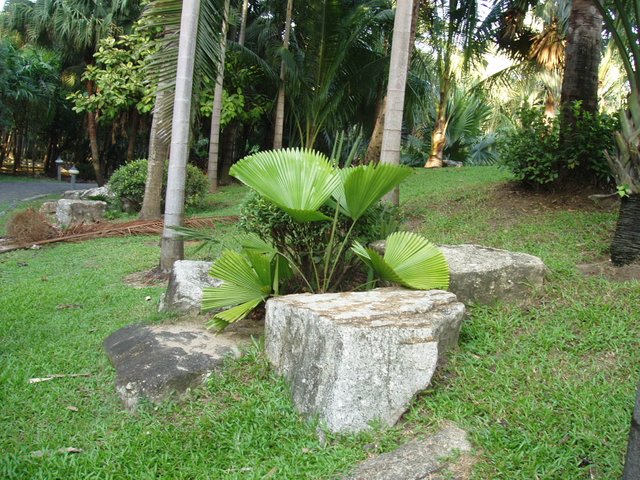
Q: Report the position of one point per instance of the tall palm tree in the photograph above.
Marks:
(581, 64)
(214, 137)
(278, 130)
(453, 27)
(621, 19)
(172, 245)
(399, 63)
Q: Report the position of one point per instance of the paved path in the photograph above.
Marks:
(11, 193)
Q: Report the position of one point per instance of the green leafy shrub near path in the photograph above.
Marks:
(536, 158)
(128, 181)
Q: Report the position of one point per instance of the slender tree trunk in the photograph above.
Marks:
(134, 125)
(92, 130)
(625, 247)
(632, 462)
(439, 133)
(158, 152)
(375, 144)
(4, 146)
(243, 21)
(17, 150)
(214, 137)
(398, 67)
(228, 150)
(172, 244)
(581, 64)
(279, 126)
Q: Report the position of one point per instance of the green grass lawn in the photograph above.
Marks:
(545, 390)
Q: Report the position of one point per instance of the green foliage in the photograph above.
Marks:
(409, 260)
(308, 210)
(119, 78)
(128, 183)
(534, 154)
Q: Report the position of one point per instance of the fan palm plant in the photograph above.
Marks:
(311, 189)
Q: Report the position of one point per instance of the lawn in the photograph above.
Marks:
(544, 390)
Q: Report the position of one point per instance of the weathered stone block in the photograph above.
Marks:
(352, 358)
(49, 208)
(443, 456)
(483, 276)
(159, 361)
(70, 212)
(85, 194)
(184, 292)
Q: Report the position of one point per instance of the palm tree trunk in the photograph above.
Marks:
(625, 247)
(398, 65)
(439, 133)
(582, 61)
(172, 248)
(214, 137)
(279, 126)
(632, 462)
(375, 144)
(92, 130)
(158, 152)
(243, 21)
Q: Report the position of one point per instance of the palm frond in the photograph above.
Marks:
(362, 186)
(410, 260)
(298, 181)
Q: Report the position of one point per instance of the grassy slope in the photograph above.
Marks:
(545, 391)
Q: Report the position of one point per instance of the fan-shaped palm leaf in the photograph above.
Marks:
(247, 283)
(296, 180)
(410, 260)
(363, 186)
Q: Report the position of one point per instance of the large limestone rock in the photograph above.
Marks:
(187, 280)
(483, 276)
(443, 456)
(155, 362)
(352, 358)
(70, 212)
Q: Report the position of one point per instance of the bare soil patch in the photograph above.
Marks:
(151, 278)
(606, 269)
(515, 199)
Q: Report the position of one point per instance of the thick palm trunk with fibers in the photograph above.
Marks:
(625, 247)
(632, 463)
(582, 61)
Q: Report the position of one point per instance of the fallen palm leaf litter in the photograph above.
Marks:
(81, 232)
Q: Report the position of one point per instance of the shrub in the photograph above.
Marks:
(536, 157)
(309, 240)
(127, 183)
(30, 226)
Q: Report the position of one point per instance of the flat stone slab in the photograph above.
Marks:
(156, 362)
(352, 358)
(186, 282)
(484, 276)
(443, 456)
(70, 212)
